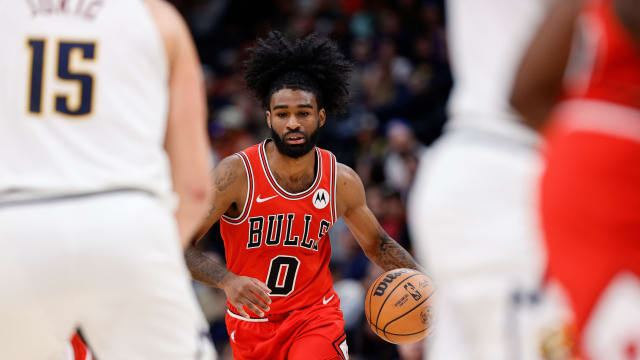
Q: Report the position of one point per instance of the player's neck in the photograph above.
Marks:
(289, 167)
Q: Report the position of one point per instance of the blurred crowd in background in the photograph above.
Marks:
(399, 88)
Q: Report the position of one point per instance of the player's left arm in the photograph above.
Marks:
(628, 12)
(376, 243)
(538, 82)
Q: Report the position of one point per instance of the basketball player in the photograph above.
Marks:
(277, 200)
(590, 202)
(102, 107)
(472, 206)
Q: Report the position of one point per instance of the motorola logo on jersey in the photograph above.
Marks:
(321, 199)
(278, 230)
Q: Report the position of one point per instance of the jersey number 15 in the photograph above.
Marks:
(85, 81)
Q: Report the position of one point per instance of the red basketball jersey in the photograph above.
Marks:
(609, 58)
(281, 238)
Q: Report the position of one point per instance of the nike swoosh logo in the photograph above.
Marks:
(260, 200)
(233, 336)
(326, 301)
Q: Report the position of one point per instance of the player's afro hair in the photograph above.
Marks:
(311, 64)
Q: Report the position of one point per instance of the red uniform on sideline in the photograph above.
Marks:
(591, 189)
(281, 238)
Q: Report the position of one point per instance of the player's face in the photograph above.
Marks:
(294, 119)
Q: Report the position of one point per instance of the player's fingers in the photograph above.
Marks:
(240, 308)
(255, 309)
(262, 286)
(260, 293)
(258, 301)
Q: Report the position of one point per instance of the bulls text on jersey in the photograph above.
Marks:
(271, 234)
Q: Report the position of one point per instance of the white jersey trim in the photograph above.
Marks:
(274, 184)
(248, 201)
(334, 182)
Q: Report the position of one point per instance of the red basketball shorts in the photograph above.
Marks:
(591, 202)
(312, 333)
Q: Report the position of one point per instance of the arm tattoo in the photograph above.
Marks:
(392, 256)
(226, 179)
(204, 269)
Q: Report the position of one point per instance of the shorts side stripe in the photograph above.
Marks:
(336, 346)
(236, 316)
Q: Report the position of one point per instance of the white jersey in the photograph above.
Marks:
(487, 40)
(84, 98)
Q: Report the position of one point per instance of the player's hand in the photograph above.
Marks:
(246, 291)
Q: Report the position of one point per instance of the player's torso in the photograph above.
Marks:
(486, 42)
(282, 238)
(605, 65)
(84, 103)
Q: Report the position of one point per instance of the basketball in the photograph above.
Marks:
(398, 306)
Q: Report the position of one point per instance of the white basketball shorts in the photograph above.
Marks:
(109, 264)
(473, 217)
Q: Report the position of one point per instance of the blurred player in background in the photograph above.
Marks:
(590, 201)
(276, 202)
(472, 208)
(102, 119)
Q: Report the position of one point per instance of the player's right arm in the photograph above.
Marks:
(186, 140)
(230, 191)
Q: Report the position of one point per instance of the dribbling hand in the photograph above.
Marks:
(246, 291)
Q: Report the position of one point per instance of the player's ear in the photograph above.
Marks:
(268, 115)
(322, 115)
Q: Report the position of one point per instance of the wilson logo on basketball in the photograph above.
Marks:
(321, 199)
(384, 284)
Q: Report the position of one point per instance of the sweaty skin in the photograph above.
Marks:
(290, 112)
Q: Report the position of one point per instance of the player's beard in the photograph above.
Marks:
(295, 150)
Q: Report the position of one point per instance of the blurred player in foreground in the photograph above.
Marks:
(472, 207)
(590, 203)
(102, 118)
(276, 202)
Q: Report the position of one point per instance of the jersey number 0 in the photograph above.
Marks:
(63, 70)
(282, 275)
